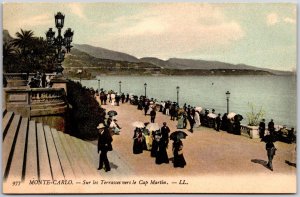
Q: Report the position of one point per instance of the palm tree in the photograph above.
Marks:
(24, 40)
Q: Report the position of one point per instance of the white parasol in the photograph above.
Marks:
(211, 115)
(199, 109)
(138, 124)
(231, 115)
(153, 127)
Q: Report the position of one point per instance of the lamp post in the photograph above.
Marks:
(227, 98)
(120, 83)
(145, 85)
(79, 71)
(177, 88)
(59, 41)
(99, 85)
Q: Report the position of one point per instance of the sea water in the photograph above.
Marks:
(276, 95)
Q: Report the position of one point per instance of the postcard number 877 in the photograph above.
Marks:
(16, 183)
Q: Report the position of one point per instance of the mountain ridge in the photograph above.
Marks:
(171, 63)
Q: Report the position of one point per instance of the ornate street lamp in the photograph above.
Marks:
(99, 85)
(59, 20)
(145, 85)
(59, 41)
(79, 71)
(227, 98)
(120, 83)
(177, 88)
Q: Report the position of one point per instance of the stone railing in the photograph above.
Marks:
(47, 105)
(250, 131)
(16, 79)
(21, 79)
(46, 95)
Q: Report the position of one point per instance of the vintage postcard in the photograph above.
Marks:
(149, 98)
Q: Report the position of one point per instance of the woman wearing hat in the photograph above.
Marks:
(104, 145)
(115, 127)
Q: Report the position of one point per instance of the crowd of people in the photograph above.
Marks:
(39, 80)
(156, 141)
(111, 97)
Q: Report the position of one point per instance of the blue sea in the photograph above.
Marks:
(276, 95)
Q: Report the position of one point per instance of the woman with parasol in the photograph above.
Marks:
(179, 160)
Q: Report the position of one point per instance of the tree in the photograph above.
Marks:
(23, 41)
(9, 56)
(27, 53)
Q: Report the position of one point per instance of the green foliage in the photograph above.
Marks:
(254, 116)
(86, 113)
(27, 53)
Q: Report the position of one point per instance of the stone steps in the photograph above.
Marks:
(34, 151)
(31, 163)
(8, 145)
(7, 118)
(63, 158)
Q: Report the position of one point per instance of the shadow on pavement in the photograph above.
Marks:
(261, 162)
(113, 166)
(290, 163)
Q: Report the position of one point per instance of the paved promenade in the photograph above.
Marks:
(206, 151)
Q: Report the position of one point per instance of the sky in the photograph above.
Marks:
(258, 34)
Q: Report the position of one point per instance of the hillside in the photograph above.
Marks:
(92, 66)
(83, 55)
(105, 53)
(172, 63)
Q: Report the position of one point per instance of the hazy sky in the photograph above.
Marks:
(262, 35)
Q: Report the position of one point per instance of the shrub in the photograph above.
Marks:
(86, 113)
(254, 116)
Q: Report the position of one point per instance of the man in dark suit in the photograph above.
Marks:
(262, 128)
(104, 145)
(165, 130)
(218, 122)
(271, 127)
(153, 115)
(191, 121)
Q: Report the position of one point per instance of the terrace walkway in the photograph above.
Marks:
(222, 158)
(216, 162)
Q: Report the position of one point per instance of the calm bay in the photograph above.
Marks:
(276, 95)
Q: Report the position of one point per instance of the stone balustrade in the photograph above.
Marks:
(16, 79)
(21, 79)
(47, 105)
(250, 131)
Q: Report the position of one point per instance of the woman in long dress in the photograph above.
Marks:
(113, 98)
(148, 139)
(197, 119)
(179, 160)
(161, 154)
(180, 122)
(137, 141)
(156, 135)
(115, 127)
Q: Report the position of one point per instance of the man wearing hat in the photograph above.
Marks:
(165, 130)
(262, 128)
(104, 145)
(218, 122)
